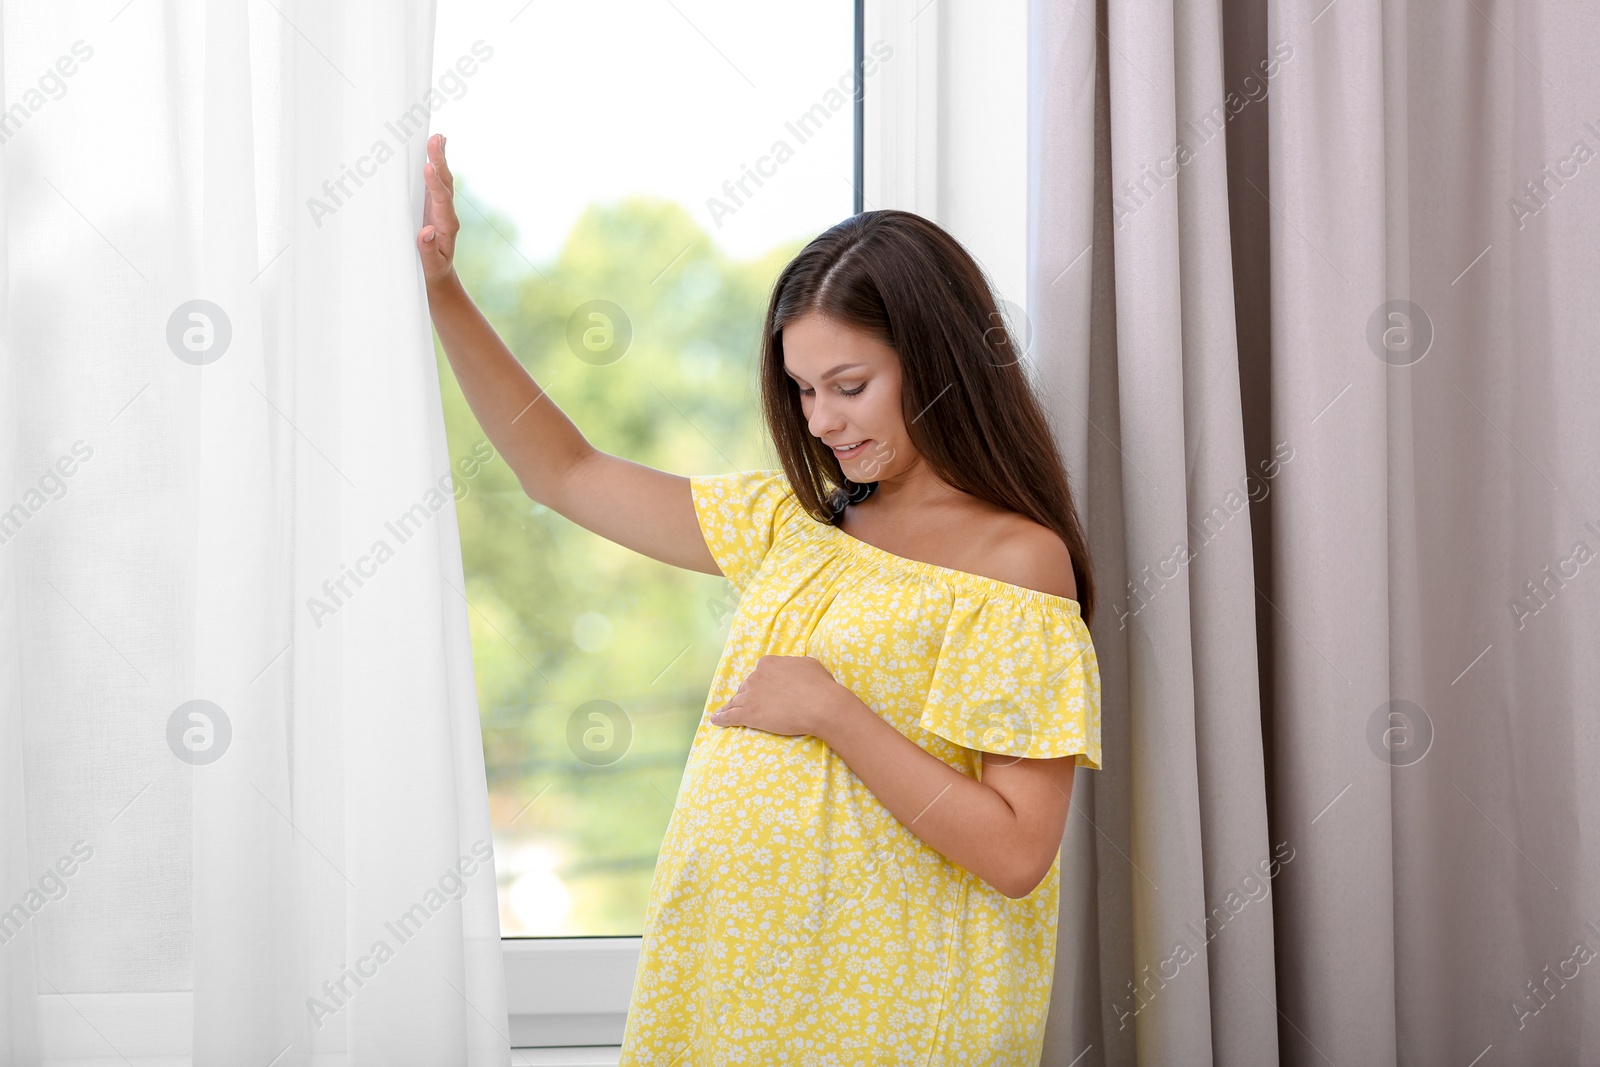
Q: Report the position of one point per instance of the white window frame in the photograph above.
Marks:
(565, 991)
(944, 134)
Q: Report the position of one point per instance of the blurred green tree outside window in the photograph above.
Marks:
(584, 649)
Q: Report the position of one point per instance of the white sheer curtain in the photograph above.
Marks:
(243, 818)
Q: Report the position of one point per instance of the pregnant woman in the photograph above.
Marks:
(862, 865)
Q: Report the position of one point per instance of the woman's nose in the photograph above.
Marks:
(823, 422)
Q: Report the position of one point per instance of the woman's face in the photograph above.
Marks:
(849, 385)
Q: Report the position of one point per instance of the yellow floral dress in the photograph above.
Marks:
(792, 919)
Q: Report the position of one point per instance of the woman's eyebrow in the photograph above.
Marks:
(829, 374)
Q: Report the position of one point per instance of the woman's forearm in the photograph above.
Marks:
(536, 439)
(967, 822)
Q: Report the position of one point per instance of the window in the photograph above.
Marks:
(588, 159)
(631, 178)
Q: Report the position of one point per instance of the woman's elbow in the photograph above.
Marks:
(1026, 877)
(1016, 890)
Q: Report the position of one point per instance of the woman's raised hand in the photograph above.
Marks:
(437, 239)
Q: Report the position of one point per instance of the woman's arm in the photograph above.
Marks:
(1005, 829)
(639, 507)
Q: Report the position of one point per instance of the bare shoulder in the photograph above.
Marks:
(1026, 553)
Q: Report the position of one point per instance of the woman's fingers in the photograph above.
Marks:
(441, 186)
(437, 239)
(436, 157)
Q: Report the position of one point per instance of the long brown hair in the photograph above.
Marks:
(968, 405)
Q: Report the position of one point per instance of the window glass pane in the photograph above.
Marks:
(664, 159)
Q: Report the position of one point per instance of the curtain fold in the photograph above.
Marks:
(1164, 488)
(1313, 292)
(244, 810)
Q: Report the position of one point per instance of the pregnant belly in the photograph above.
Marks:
(792, 906)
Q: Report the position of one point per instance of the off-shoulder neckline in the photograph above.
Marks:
(993, 585)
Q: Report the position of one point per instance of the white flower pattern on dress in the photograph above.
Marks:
(792, 919)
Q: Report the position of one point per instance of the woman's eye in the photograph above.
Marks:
(846, 392)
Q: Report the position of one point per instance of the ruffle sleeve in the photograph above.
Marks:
(1017, 676)
(741, 515)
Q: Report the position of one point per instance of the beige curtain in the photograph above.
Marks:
(1314, 295)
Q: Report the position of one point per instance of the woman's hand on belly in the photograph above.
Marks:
(787, 695)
